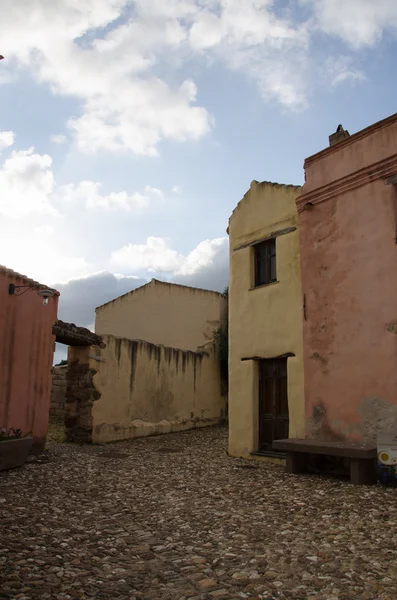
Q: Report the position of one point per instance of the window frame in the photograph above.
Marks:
(270, 262)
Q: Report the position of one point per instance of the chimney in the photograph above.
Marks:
(339, 135)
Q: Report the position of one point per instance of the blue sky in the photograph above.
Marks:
(130, 129)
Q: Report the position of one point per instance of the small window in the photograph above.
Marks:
(265, 262)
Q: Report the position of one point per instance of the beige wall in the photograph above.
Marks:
(163, 313)
(147, 389)
(264, 322)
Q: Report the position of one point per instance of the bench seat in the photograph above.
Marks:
(362, 456)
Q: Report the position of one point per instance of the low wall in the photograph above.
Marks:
(57, 403)
(147, 389)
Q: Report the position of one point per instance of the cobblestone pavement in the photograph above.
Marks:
(173, 517)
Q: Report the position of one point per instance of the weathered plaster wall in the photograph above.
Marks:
(349, 265)
(147, 389)
(26, 351)
(58, 390)
(265, 322)
(163, 313)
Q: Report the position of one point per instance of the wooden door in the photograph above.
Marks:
(273, 402)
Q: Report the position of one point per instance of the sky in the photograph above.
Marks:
(130, 129)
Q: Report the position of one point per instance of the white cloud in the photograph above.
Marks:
(153, 256)
(35, 254)
(249, 37)
(108, 54)
(58, 138)
(88, 193)
(357, 22)
(201, 257)
(157, 256)
(177, 189)
(342, 69)
(44, 231)
(124, 105)
(26, 184)
(7, 139)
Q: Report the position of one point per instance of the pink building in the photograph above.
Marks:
(26, 353)
(348, 234)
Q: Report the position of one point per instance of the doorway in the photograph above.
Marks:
(273, 402)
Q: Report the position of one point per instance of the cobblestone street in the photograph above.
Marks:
(173, 517)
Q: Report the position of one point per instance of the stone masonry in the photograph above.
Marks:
(57, 405)
(80, 396)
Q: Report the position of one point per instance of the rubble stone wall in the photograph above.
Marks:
(80, 395)
(57, 404)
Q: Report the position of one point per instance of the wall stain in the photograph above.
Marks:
(117, 343)
(9, 359)
(321, 359)
(29, 379)
(133, 352)
(319, 426)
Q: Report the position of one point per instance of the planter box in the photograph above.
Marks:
(13, 453)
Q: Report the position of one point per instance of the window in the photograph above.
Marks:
(265, 262)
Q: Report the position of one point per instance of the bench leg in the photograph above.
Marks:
(363, 471)
(296, 462)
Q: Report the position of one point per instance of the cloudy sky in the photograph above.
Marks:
(129, 129)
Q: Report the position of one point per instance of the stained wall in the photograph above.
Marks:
(348, 225)
(266, 321)
(26, 353)
(149, 389)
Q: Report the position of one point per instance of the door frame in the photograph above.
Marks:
(283, 419)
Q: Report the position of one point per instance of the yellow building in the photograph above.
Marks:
(164, 313)
(266, 395)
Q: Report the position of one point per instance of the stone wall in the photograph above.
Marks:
(80, 395)
(57, 405)
(132, 388)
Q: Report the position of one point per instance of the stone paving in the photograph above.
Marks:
(173, 517)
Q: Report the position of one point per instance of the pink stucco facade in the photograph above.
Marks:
(26, 353)
(347, 221)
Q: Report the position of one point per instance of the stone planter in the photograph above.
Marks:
(13, 453)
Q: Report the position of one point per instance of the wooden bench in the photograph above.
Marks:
(362, 457)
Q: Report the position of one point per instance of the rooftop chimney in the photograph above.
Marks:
(339, 135)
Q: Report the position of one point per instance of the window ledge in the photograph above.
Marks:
(258, 287)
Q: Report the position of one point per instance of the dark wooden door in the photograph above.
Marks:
(273, 402)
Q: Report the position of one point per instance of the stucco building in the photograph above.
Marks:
(266, 393)
(158, 370)
(26, 352)
(348, 233)
(164, 313)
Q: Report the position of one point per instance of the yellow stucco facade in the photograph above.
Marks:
(163, 313)
(265, 322)
(147, 389)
